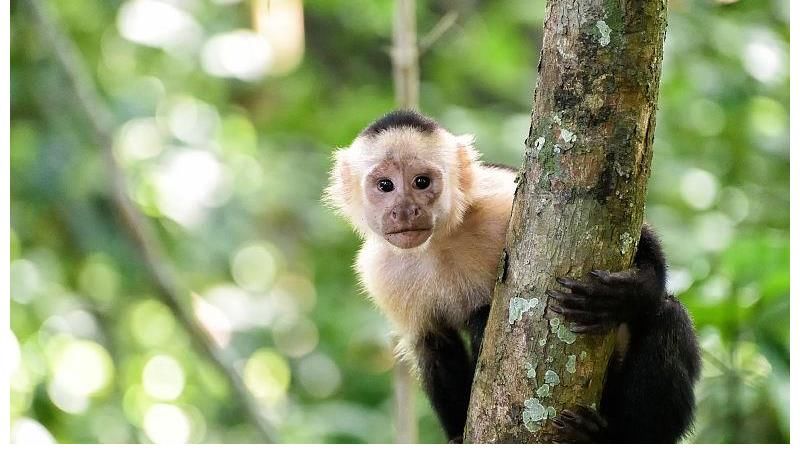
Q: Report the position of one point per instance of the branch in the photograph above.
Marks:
(162, 274)
(579, 206)
(439, 29)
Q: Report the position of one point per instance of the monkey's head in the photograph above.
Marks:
(404, 179)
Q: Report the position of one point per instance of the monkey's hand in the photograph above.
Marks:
(581, 425)
(605, 299)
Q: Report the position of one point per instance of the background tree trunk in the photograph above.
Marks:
(405, 70)
(579, 206)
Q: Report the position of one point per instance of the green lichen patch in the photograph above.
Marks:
(551, 378)
(605, 33)
(570, 366)
(626, 243)
(565, 335)
(568, 138)
(530, 370)
(551, 412)
(516, 308)
(534, 414)
(543, 391)
(554, 324)
(519, 306)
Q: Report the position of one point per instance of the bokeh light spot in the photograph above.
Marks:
(26, 281)
(138, 139)
(151, 323)
(167, 424)
(764, 59)
(241, 54)
(163, 378)
(79, 369)
(98, 278)
(319, 375)
(158, 24)
(295, 335)
(699, 188)
(187, 183)
(253, 266)
(28, 431)
(267, 376)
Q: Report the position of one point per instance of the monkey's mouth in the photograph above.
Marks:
(408, 238)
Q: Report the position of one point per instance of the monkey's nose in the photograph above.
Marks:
(405, 213)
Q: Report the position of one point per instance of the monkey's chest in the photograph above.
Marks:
(420, 295)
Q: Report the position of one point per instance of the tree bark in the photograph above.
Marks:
(579, 206)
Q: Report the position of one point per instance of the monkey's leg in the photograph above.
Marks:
(446, 372)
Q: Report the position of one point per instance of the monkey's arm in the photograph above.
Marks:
(648, 396)
(446, 371)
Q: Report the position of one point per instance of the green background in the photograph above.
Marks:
(230, 173)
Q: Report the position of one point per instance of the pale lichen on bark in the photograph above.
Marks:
(578, 206)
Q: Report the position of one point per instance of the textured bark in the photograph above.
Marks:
(579, 206)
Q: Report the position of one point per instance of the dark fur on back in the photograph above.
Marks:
(401, 118)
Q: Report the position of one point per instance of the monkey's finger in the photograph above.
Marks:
(589, 328)
(602, 276)
(569, 300)
(591, 415)
(615, 279)
(558, 423)
(585, 422)
(572, 428)
(577, 315)
(576, 286)
(588, 287)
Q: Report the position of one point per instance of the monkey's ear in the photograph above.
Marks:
(338, 194)
(335, 193)
(466, 142)
(465, 139)
(466, 158)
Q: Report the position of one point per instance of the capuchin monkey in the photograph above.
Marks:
(433, 219)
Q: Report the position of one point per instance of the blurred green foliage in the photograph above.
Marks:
(231, 171)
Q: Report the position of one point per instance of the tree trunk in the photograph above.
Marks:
(579, 206)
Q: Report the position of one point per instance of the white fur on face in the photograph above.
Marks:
(453, 272)
(352, 164)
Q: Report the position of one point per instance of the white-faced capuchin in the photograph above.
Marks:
(433, 219)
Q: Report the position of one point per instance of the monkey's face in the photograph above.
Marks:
(401, 200)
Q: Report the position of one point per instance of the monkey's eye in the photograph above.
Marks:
(385, 185)
(422, 182)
